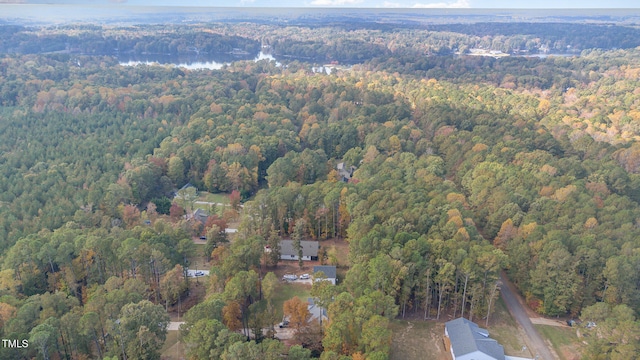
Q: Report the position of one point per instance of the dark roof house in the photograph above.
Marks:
(289, 252)
(467, 341)
(330, 272)
(345, 172)
(200, 215)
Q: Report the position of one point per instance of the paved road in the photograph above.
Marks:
(174, 325)
(212, 203)
(519, 313)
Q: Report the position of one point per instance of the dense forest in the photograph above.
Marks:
(464, 166)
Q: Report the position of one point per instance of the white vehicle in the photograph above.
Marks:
(290, 277)
(304, 276)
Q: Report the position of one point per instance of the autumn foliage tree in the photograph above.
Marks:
(130, 215)
(176, 212)
(297, 312)
(232, 316)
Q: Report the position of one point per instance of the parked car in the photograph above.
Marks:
(199, 273)
(304, 277)
(203, 238)
(290, 277)
(284, 324)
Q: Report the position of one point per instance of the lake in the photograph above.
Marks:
(192, 62)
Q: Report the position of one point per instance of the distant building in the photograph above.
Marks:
(199, 215)
(467, 341)
(186, 186)
(329, 272)
(289, 252)
(344, 172)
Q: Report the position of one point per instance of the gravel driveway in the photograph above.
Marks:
(536, 344)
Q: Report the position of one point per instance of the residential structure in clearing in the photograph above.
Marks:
(467, 341)
(345, 172)
(317, 313)
(289, 252)
(329, 271)
(200, 215)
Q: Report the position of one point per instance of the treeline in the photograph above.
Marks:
(555, 36)
(95, 40)
(346, 51)
(354, 43)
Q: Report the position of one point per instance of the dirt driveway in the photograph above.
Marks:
(519, 313)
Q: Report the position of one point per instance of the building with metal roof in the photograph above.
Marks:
(467, 341)
(329, 271)
(289, 252)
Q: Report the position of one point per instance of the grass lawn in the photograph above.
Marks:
(503, 328)
(172, 349)
(417, 340)
(288, 290)
(221, 198)
(564, 340)
(207, 208)
(199, 259)
(423, 340)
(214, 198)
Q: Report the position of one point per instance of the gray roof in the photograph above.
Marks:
(200, 215)
(309, 248)
(466, 337)
(316, 311)
(329, 271)
(345, 172)
(187, 185)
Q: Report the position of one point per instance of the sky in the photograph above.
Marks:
(452, 4)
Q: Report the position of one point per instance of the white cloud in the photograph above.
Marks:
(459, 4)
(335, 2)
(388, 4)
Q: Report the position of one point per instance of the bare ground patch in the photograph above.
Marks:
(417, 340)
(549, 322)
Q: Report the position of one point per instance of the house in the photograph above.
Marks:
(317, 313)
(289, 252)
(467, 341)
(329, 272)
(344, 172)
(199, 215)
(186, 186)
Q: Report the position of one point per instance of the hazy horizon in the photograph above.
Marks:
(388, 4)
(105, 13)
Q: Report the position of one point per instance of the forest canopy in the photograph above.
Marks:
(461, 167)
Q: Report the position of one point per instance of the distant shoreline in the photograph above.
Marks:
(35, 14)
